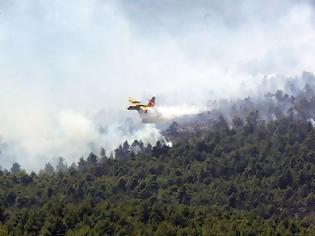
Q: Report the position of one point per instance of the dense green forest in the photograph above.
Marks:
(253, 178)
(244, 168)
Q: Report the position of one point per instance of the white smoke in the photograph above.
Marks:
(162, 114)
(170, 112)
(63, 63)
(69, 134)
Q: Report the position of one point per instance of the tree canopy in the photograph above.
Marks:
(250, 179)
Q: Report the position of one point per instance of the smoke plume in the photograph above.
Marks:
(68, 67)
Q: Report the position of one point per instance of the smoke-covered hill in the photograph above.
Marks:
(228, 150)
(244, 168)
(294, 98)
(68, 67)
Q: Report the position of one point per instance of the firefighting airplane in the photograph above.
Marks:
(141, 108)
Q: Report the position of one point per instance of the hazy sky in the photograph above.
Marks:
(69, 66)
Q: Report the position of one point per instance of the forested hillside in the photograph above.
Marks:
(252, 179)
(157, 118)
(246, 168)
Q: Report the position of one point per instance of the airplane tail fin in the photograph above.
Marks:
(151, 102)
